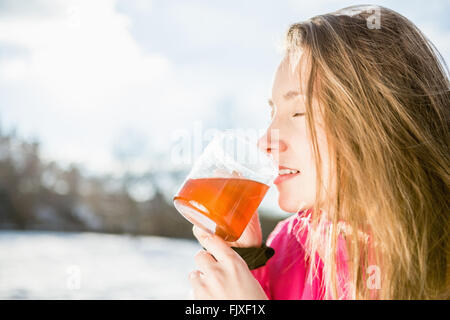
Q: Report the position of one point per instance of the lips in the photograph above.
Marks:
(285, 173)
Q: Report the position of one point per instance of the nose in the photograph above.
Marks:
(271, 143)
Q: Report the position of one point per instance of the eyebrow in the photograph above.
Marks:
(287, 96)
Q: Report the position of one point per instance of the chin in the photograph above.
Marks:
(289, 205)
(290, 201)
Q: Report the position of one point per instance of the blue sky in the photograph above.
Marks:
(90, 79)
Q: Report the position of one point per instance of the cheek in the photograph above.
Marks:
(298, 193)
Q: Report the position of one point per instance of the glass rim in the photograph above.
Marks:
(264, 169)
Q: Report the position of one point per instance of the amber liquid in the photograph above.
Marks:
(224, 206)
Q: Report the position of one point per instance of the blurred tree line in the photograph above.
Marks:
(41, 195)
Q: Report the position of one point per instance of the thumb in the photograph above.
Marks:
(254, 221)
(251, 236)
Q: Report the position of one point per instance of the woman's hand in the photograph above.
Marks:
(222, 273)
(252, 235)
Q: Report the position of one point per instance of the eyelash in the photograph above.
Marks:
(294, 115)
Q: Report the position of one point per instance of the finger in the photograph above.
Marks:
(197, 284)
(255, 218)
(196, 278)
(215, 245)
(204, 260)
(251, 236)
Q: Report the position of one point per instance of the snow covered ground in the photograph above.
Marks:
(58, 265)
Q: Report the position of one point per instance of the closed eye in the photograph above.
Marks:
(298, 114)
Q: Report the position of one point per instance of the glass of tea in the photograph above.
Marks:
(226, 185)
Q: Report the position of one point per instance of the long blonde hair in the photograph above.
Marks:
(383, 96)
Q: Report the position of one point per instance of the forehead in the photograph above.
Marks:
(291, 75)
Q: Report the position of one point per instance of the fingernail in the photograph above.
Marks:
(208, 236)
(201, 251)
(202, 233)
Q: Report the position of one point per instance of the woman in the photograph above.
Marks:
(362, 116)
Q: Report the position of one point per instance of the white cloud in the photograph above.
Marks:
(83, 57)
(93, 80)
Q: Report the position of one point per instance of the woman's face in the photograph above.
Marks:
(287, 139)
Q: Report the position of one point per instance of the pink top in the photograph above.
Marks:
(286, 276)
